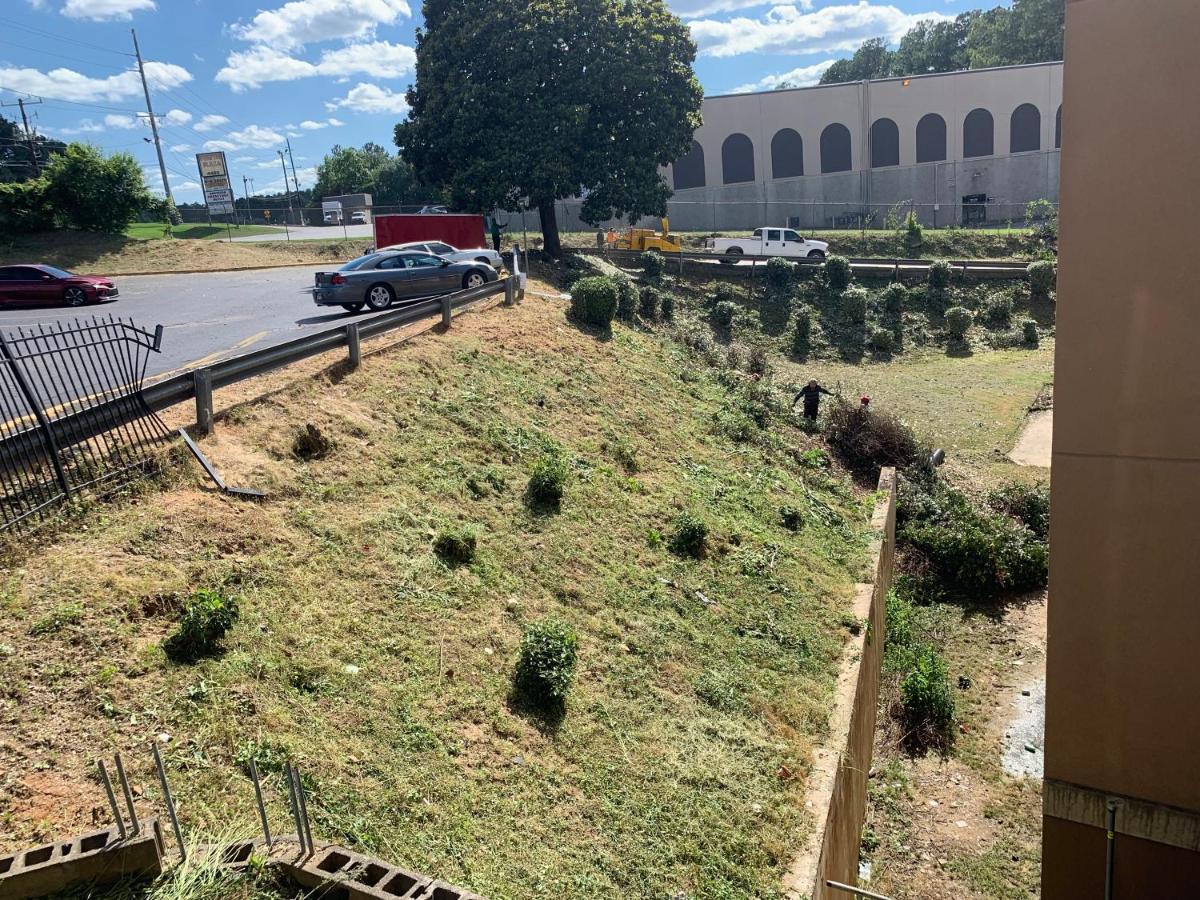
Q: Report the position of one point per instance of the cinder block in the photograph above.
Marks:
(97, 857)
(342, 874)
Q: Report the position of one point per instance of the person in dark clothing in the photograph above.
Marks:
(811, 394)
(496, 229)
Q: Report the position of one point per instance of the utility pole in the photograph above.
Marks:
(33, 158)
(246, 191)
(283, 165)
(295, 180)
(162, 166)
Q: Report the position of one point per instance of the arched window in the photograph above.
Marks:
(835, 149)
(787, 154)
(737, 159)
(1025, 129)
(885, 143)
(688, 171)
(1058, 128)
(978, 134)
(931, 138)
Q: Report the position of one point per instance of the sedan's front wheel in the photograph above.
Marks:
(380, 296)
(74, 296)
(474, 280)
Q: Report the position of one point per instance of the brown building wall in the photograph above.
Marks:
(1123, 667)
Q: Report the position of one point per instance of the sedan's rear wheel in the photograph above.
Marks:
(380, 296)
(473, 280)
(74, 296)
(352, 307)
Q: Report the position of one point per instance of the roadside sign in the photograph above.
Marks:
(214, 175)
(212, 164)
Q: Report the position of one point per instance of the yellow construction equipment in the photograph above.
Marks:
(648, 239)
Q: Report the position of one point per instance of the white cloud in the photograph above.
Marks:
(86, 126)
(67, 84)
(261, 64)
(181, 148)
(244, 159)
(250, 136)
(100, 10)
(208, 123)
(115, 121)
(310, 125)
(801, 77)
(336, 123)
(370, 98)
(176, 117)
(309, 21)
(220, 145)
(793, 30)
(691, 9)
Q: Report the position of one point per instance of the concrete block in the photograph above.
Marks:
(98, 857)
(342, 874)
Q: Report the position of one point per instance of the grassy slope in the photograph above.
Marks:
(117, 254)
(154, 230)
(700, 682)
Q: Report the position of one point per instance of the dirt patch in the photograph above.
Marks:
(1034, 444)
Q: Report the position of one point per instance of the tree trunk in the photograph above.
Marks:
(550, 241)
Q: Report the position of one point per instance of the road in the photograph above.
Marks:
(310, 232)
(207, 316)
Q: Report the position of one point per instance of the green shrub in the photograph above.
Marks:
(724, 313)
(1028, 504)
(667, 307)
(548, 480)
(206, 616)
(1043, 277)
(627, 298)
(901, 634)
(455, 546)
(724, 293)
(895, 297)
(781, 275)
(690, 537)
(792, 518)
(866, 440)
(913, 232)
(854, 304)
(94, 192)
(1029, 332)
(651, 303)
(594, 300)
(838, 273)
(652, 263)
(623, 452)
(998, 309)
(958, 322)
(939, 275)
(546, 663)
(24, 207)
(757, 361)
(928, 698)
(881, 340)
(801, 333)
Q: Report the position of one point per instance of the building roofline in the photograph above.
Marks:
(818, 87)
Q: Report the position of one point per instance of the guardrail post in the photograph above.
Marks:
(204, 401)
(446, 311)
(510, 290)
(353, 343)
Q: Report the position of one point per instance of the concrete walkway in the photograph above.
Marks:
(1033, 445)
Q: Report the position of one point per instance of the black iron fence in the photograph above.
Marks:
(74, 419)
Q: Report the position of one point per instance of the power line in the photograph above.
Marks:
(74, 59)
(66, 40)
(124, 109)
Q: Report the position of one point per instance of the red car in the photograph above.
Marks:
(38, 285)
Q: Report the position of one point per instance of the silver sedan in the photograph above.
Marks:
(378, 280)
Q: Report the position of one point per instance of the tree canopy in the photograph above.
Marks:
(389, 179)
(15, 161)
(1030, 31)
(541, 100)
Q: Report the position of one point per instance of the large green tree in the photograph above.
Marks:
(871, 60)
(16, 160)
(92, 192)
(546, 99)
(389, 179)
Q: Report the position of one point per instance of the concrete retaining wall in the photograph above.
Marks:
(837, 792)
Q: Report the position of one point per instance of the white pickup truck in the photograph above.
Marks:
(768, 242)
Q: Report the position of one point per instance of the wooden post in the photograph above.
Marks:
(510, 290)
(204, 401)
(446, 311)
(353, 343)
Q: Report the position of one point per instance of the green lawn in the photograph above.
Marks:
(154, 230)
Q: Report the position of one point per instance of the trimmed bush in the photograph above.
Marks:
(667, 307)
(838, 273)
(724, 313)
(548, 480)
(1043, 277)
(206, 616)
(998, 310)
(866, 440)
(895, 297)
(854, 304)
(455, 546)
(801, 333)
(927, 698)
(958, 322)
(594, 300)
(651, 303)
(653, 264)
(1029, 332)
(781, 275)
(881, 340)
(1028, 504)
(939, 275)
(690, 537)
(724, 293)
(628, 298)
(546, 663)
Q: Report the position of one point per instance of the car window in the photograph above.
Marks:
(791, 236)
(7, 274)
(758, 232)
(773, 234)
(24, 273)
(421, 262)
(360, 263)
(440, 248)
(391, 262)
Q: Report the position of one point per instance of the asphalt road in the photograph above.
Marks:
(207, 316)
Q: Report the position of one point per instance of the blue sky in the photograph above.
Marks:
(245, 76)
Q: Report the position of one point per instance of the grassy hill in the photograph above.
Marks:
(386, 672)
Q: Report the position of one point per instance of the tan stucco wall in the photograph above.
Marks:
(1123, 677)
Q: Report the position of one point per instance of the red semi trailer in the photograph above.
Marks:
(458, 230)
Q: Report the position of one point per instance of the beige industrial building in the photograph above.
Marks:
(971, 147)
(1122, 766)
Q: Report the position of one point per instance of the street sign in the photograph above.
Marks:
(212, 163)
(214, 174)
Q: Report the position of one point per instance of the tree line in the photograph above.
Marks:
(1031, 31)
